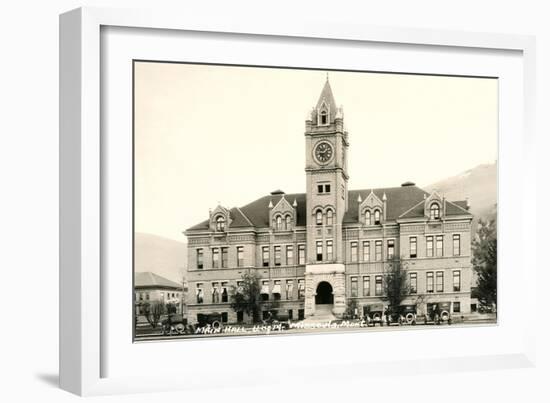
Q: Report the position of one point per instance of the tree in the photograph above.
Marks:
(484, 260)
(246, 297)
(153, 312)
(396, 285)
(352, 309)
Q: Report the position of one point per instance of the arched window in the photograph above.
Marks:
(220, 223)
(330, 216)
(319, 218)
(434, 211)
(288, 220)
(278, 223)
(324, 117)
(368, 218)
(376, 217)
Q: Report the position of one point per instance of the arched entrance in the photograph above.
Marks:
(324, 294)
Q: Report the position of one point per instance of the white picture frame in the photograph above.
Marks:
(84, 343)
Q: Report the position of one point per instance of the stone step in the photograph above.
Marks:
(323, 313)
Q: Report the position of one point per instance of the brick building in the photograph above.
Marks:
(319, 250)
(150, 287)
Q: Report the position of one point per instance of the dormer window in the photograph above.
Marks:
(376, 217)
(435, 211)
(288, 220)
(278, 223)
(368, 217)
(220, 223)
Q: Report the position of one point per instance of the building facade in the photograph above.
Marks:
(331, 245)
(151, 288)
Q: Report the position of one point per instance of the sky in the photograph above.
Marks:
(208, 135)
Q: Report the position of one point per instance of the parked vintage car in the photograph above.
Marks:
(212, 319)
(437, 313)
(408, 314)
(175, 324)
(278, 319)
(374, 314)
(404, 315)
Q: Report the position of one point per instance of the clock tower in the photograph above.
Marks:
(326, 204)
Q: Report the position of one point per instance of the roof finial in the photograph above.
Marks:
(295, 204)
(327, 76)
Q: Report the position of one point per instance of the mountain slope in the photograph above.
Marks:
(162, 256)
(479, 185)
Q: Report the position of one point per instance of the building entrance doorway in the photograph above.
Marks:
(324, 294)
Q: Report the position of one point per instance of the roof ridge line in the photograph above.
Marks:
(456, 205)
(244, 215)
(421, 201)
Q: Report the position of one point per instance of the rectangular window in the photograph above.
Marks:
(327, 188)
(429, 246)
(215, 258)
(412, 247)
(146, 296)
(391, 248)
(225, 293)
(456, 307)
(366, 251)
(456, 280)
(354, 285)
(413, 282)
(276, 290)
(439, 245)
(290, 315)
(264, 292)
(301, 254)
(265, 256)
(366, 286)
(289, 255)
(430, 281)
(215, 293)
(378, 251)
(240, 316)
(301, 314)
(199, 293)
(319, 188)
(224, 317)
(439, 281)
(277, 250)
(200, 257)
(224, 257)
(353, 247)
(319, 251)
(456, 245)
(329, 251)
(378, 286)
(301, 289)
(289, 289)
(240, 256)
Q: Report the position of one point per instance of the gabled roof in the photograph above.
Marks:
(401, 202)
(152, 280)
(398, 200)
(451, 209)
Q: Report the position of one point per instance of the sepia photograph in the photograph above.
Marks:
(272, 201)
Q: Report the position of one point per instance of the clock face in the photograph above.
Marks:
(323, 152)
